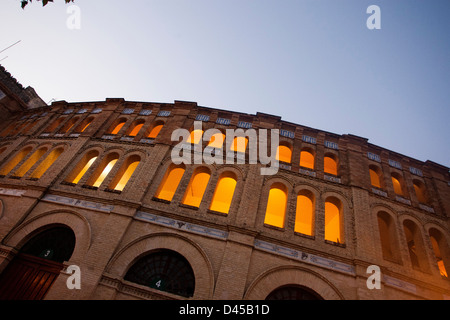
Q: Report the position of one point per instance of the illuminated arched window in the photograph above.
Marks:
(15, 161)
(29, 126)
(69, 125)
(375, 179)
(18, 128)
(156, 129)
(54, 125)
(415, 245)
(223, 195)
(195, 137)
(82, 167)
(307, 159)
(23, 169)
(304, 216)
(397, 183)
(440, 250)
(276, 205)
(330, 165)
(196, 188)
(47, 163)
(135, 128)
(84, 125)
(103, 170)
(239, 144)
(419, 188)
(334, 220)
(8, 129)
(125, 173)
(388, 237)
(117, 126)
(284, 153)
(217, 140)
(170, 182)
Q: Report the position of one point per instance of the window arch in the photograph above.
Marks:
(217, 140)
(239, 144)
(375, 176)
(15, 161)
(415, 245)
(135, 128)
(84, 125)
(29, 126)
(47, 163)
(103, 170)
(170, 182)
(3, 149)
(69, 125)
(330, 164)
(164, 270)
(83, 166)
(195, 137)
(276, 205)
(27, 165)
(293, 292)
(223, 195)
(115, 129)
(194, 193)
(52, 127)
(304, 216)
(125, 173)
(397, 182)
(419, 188)
(440, 250)
(334, 220)
(8, 129)
(388, 237)
(307, 159)
(156, 129)
(284, 153)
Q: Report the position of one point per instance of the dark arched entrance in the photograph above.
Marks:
(32, 272)
(293, 292)
(164, 270)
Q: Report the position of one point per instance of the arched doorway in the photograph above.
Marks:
(33, 271)
(293, 292)
(164, 270)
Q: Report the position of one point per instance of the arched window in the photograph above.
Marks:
(293, 292)
(330, 164)
(440, 249)
(47, 163)
(156, 129)
(29, 126)
(103, 170)
(304, 216)
(23, 169)
(397, 183)
(135, 128)
(419, 188)
(125, 173)
(307, 159)
(239, 144)
(84, 125)
(69, 125)
(223, 195)
(375, 180)
(83, 166)
(195, 137)
(8, 129)
(165, 271)
(334, 220)
(117, 126)
(3, 149)
(196, 188)
(217, 141)
(52, 127)
(388, 237)
(415, 245)
(284, 153)
(170, 182)
(276, 205)
(15, 161)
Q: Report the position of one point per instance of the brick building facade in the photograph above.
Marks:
(92, 184)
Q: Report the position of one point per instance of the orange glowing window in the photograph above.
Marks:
(126, 173)
(284, 153)
(47, 163)
(307, 160)
(84, 125)
(136, 130)
(155, 131)
(170, 182)
(239, 144)
(223, 195)
(196, 188)
(330, 166)
(30, 126)
(304, 217)
(30, 162)
(217, 140)
(66, 128)
(374, 178)
(8, 130)
(437, 242)
(117, 127)
(397, 186)
(419, 188)
(195, 136)
(54, 125)
(15, 161)
(276, 206)
(333, 230)
(104, 169)
(86, 163)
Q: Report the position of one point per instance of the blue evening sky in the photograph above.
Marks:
(312, 62)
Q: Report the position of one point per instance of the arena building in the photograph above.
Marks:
(90, 190)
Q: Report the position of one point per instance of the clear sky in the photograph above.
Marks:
(312, 62)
